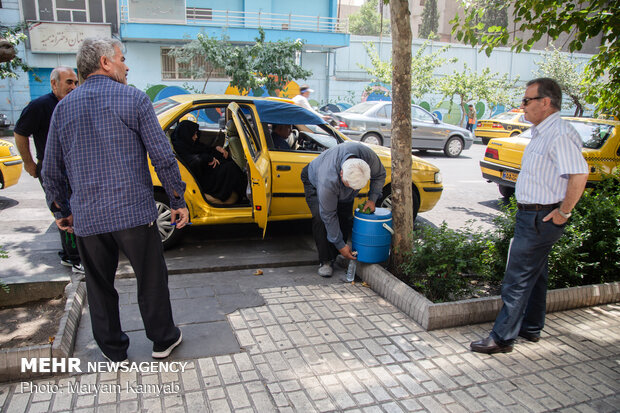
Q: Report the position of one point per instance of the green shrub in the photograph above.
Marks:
(440, 259)
(587, 253)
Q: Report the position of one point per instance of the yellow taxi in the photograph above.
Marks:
(505, 124)
(274, 189)
(10, 164)
(601, 149)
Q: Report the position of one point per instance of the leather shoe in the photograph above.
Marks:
(529, 336)
(489, 346)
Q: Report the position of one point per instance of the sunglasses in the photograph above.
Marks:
(526, 101)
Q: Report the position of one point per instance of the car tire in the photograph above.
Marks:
(170, 234)
(453, 147)
(506, 191)
(386, 199)
(515, 133)
(373, 139)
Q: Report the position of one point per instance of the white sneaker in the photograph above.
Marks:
(159, 352)
(78, 268)
(326, 270)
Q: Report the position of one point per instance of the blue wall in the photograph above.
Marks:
(39, 88)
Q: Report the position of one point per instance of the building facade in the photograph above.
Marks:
(150, 28)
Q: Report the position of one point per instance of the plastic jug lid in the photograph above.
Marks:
(379, 214)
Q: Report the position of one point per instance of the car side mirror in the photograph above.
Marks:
(435, 119)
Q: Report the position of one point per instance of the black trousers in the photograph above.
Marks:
(67, 240)
(142, 246)
(327, 250)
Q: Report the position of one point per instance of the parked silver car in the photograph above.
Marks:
(371, 122)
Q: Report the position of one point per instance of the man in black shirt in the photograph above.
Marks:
(35, 121)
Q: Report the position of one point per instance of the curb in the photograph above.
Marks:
(10, 359)
(433, 316)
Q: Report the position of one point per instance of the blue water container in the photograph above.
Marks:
(372, 235)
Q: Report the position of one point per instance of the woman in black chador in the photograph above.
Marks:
(219, 177)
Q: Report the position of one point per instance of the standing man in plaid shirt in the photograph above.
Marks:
(99, 139)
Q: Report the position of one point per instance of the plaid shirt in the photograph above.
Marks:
(98, 142)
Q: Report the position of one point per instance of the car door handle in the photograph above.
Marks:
(384, 124)
(283, 168)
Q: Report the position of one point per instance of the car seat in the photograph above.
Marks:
(234, 145)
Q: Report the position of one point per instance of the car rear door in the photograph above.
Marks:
(258, 166)
(427, 133)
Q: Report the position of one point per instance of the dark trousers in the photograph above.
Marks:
(67, 240)
(327, 251)
(142, 246)
(524, 288)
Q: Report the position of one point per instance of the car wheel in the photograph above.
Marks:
(453, 147)
(515, 133)
(386, 200)
(506, 191)
(373, 139)
(170, 234)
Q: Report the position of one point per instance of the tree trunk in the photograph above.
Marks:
(402, 203)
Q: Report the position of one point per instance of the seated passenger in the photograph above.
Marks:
(280, 134)
(220, 178)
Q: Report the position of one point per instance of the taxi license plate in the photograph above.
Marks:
(510, 176)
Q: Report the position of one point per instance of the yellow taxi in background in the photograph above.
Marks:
(10, 164)
(274, 191)
(601, 149)
(502, 125)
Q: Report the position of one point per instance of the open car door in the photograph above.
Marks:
(257, 164)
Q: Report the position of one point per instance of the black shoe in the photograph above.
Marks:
(534, 338)
(113, 361)
(489, 346)
(161, 351)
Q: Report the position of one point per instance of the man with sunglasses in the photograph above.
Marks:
(552, 178)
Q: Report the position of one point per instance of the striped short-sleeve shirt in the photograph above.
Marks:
(553, 154)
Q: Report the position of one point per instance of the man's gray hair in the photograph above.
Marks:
(91, 51)
(56, 72)
(548, 88)
(356, 173)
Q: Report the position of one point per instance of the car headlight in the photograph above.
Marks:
(13, 151)
(438, 178)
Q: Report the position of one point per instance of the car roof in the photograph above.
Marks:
(592, 120)
(270, 109)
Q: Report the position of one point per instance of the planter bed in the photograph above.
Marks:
(433, 316)
(10, 359)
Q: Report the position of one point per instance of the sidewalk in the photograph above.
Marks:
(294, 342)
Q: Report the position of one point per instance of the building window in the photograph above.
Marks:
(64, 10)
(197, 69)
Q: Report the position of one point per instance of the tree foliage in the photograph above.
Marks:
(13, 36)
(468, 85)
(262, 64)
(367, 21)
(430, 20)
(580, 19)
(569, 75)
(423, 66)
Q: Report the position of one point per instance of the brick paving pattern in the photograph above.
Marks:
(338, 348)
